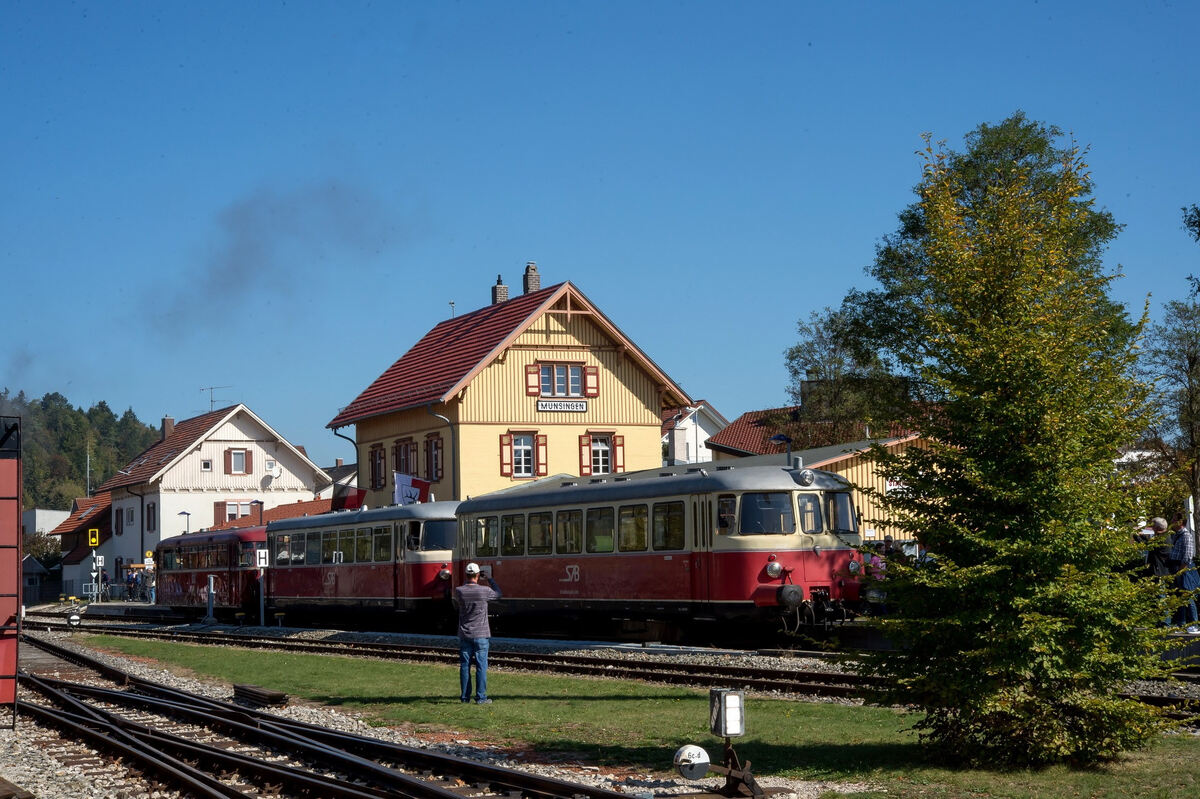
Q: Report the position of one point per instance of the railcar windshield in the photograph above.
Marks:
(440, 534)
(767, 513)
(841, 513)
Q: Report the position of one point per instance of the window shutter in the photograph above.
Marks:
(618, 453)
(219, 508)
(539, 456)
(591, 381)
(151, 517)
(228, 461)
(585, 455)
(533, 380)
(506, 455)
(118, 520)
(249, 462)
(441, 461)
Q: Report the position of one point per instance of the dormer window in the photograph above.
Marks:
(237, 461)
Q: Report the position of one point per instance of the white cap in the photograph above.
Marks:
(472, 568)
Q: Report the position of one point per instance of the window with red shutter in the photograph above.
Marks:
(506, 455)
(591, 381)
(539, 457)
(218, 512)
(618, 453)
(533, 385)
(585, 455)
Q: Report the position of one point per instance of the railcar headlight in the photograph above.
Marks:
(853, 566)
(444, 574)
(806, 477)
(774, 569)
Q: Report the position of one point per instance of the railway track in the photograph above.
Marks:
(789, 681)
(141, 732)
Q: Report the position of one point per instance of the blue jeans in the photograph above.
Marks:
(472, 649)
(1189, 581)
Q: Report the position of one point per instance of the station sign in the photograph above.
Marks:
(562, 406)
(263, 558)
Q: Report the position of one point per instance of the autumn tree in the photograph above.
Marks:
(1017, 641)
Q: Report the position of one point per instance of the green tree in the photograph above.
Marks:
(834, 382)
(1018, 640)
(889, 323)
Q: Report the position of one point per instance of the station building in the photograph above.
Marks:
(529, 386)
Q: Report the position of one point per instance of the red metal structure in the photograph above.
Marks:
(388, 561)
(10, 558)
(665, 551)
(185, 562)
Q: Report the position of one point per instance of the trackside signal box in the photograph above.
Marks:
(93, 537)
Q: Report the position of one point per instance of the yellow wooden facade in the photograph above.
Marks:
(495, 402)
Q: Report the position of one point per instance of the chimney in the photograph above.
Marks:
(168, 427)
(499, 292)
(338, 465)
(533, 281)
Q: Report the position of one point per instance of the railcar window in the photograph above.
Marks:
(726, 513)
(362, 548)
(810, 513)
(246, 554)
(383, 545)
(841, 513)
(298, 543)
(540, 538)
(312, 550)
(440, 534)
(485, 536)
(600, 530)
(569, 532)
(767, 514)
(329, 545)
(631, 528)
(668, 525)
(283, 545)
(168, 558)
(346, 545)
(512, 535)
(412, 539)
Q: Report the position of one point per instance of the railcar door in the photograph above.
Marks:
(403, 581)
(700, 541)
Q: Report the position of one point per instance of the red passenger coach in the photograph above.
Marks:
(662, 551)
(381, 561)
(185, 563)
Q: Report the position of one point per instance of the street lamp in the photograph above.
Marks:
(780, 438)
(187, 517)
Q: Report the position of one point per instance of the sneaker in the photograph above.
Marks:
(488, 701)
(1193, 629)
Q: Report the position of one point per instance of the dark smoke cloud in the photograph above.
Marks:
(277, 240)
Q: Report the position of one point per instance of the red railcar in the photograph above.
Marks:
(664, 550)
(392, 561)
(185, 562)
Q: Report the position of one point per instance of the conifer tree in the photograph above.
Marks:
(1017, 639)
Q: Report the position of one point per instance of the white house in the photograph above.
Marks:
(686, 430)
(212, 468)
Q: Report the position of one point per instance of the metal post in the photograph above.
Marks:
(262, 597)
(210, 618)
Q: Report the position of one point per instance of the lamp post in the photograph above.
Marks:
(187, 517)
(780, 438)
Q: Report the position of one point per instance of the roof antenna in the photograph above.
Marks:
(451, 309)
(212, 402)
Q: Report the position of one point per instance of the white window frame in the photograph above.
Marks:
(206, 464)
(523, 461)
(602, 454)
(271, 464)
(561, 379)
(234, 455)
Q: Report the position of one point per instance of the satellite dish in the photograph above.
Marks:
(278, 472)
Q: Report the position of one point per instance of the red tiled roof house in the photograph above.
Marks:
(538, 384)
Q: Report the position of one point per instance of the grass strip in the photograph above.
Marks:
(623, 723)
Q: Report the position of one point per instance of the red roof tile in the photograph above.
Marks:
(750, 433)
(291, 510)
(438, 365)
(186, 435)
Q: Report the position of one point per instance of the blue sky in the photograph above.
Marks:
(281, 198)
